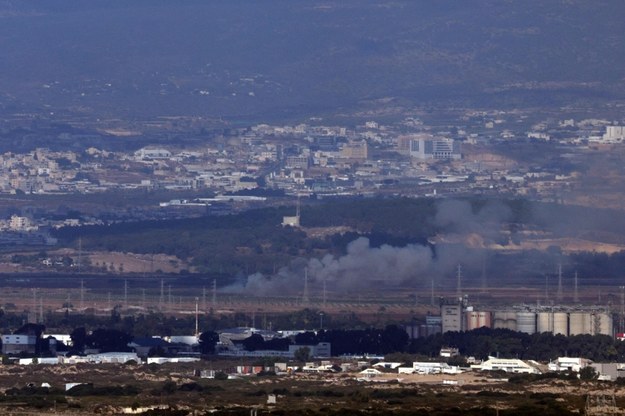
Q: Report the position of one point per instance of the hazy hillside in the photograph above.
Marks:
(253, 58)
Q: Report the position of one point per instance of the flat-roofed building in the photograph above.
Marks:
(17, 344)
(435, 149)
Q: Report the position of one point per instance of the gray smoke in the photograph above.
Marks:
(362, 267)
(460, 217)
(414, 265)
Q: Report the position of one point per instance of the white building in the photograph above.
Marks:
(449, 352)
(370, 373)
(184, 339)
(148, 153)
(387, 365)
(569, 364)
(452, 317)
(424, 367)
(42, 360)
(21, 224)
(103, 358)
(509, 365)
(16, 344)
(64, 338)
(435, 149)
(165, 360)
(614, 134)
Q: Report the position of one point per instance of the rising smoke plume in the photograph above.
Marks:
(364, 267)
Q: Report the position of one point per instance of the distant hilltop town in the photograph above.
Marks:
(407, 158)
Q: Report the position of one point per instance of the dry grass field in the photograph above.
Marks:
(119, 388)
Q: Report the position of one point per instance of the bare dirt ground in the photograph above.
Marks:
(137, 263)
(179, 385)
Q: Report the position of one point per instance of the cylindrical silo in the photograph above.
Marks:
(526, 322)
(544, 322)
(604, 324)
(561, 323)
(580, 323)
(485, 318)
(472, 320)
(505, 320)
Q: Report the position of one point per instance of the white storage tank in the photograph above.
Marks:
(472, 320)
(504, 320)
(526, 322)
(604, 325)
(478, 319)
(485, 319)
(544, 322)
(580, 323)
(561, 323)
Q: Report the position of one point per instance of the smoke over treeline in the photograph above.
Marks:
(364, 266)
(410, 242)
(462, 232)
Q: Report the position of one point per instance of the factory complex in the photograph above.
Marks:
(457, 315)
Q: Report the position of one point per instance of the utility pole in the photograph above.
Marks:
(484, 283)
(214, 300)
(82, 294)
(204, 299)
(575, 289)
(34, 305)
(161, 299)
(459, 281)
(622, 320)
(432, 300)
(79, 253)
(559, 293)
(305, 298)
(197, 318)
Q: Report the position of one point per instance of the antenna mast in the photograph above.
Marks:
(161, 300)
(197, 318)
(82, 294)
(305, 298)
(79, 253)
(459, 281)
(484, 273)
(622, 323)
(214, 293)
(297, 211)
(559, 293)
(432, 294)
(126, 293)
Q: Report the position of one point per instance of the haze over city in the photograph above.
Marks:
(383, 207)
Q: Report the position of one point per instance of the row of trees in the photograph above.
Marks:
(483, 342)
(372, 341)
(150, 323)
(479, 343)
